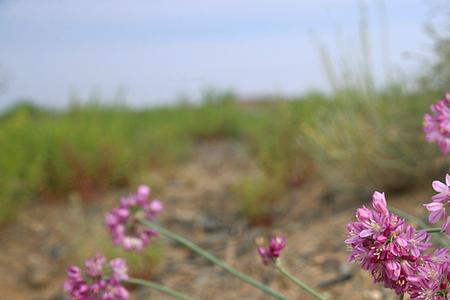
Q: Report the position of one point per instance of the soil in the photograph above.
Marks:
(199, 205)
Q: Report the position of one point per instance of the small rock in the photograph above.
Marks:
(212, 226)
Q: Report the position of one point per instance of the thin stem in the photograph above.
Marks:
(188, 244)
(160, 288)
(300, 283)
(401, 296)
(433, 230)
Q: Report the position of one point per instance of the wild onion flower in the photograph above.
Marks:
(386, 246)
(431, 281)
(437, 124)
(124, 221)
(98, 280)
(437, 208)
(273, 251)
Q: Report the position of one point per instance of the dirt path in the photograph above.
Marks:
(200, 206)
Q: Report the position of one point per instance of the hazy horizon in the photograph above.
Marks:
(154, 52)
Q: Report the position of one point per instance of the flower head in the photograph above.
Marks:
(124, 221)
(431, 279)
(437, 124)
(98, 280)
(438, 207)
(273, 251)
(385, 245)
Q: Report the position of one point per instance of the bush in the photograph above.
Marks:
(378, 143)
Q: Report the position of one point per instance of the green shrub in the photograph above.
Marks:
(277, 142)
(378, 143)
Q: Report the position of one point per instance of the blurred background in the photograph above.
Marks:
(245, 118)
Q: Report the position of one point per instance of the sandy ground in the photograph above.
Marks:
(199, 205)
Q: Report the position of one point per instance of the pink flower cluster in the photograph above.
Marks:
(385, 245)
(124, 222)
(437, 124)
(98, 280)
(432, 278)
(437, 208)
(272, 252)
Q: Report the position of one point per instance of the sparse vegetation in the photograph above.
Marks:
(89, 149)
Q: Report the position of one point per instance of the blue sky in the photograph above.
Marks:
(155, 51)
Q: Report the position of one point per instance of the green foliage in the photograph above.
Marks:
(377, 143)
(352, 139)
(274, 136)
(216, 117)
(91, 148)
(255, 196)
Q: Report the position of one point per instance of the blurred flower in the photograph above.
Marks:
(385, 245)
(94, 266)
(97, 281)
(273, 251)
(124, 221)
(437, 124)
(119, 269)
(437, 208)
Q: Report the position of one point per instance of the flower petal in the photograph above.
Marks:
(439, 186)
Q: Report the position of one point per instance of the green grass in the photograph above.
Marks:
(255, 196)
(92, 148)
(362, 144)
(349, 139)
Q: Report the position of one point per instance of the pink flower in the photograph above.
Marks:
(379, 203)
(264, 254)
(437, 124)
(385, 245)
(273, 251)
(124, 221)
(119, 269)
(431, 278)
(440, 201)
(437, 211)
(94, 266)
(97, 281)
(442, 189)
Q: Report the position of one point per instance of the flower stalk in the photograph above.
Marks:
(213, 259)
(433, 230)
(299, 283)
(160, 288)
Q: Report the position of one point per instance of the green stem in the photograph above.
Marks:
(300, 283)
(433, 230)
(401, 297)
(188, 244)
(160, 288)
